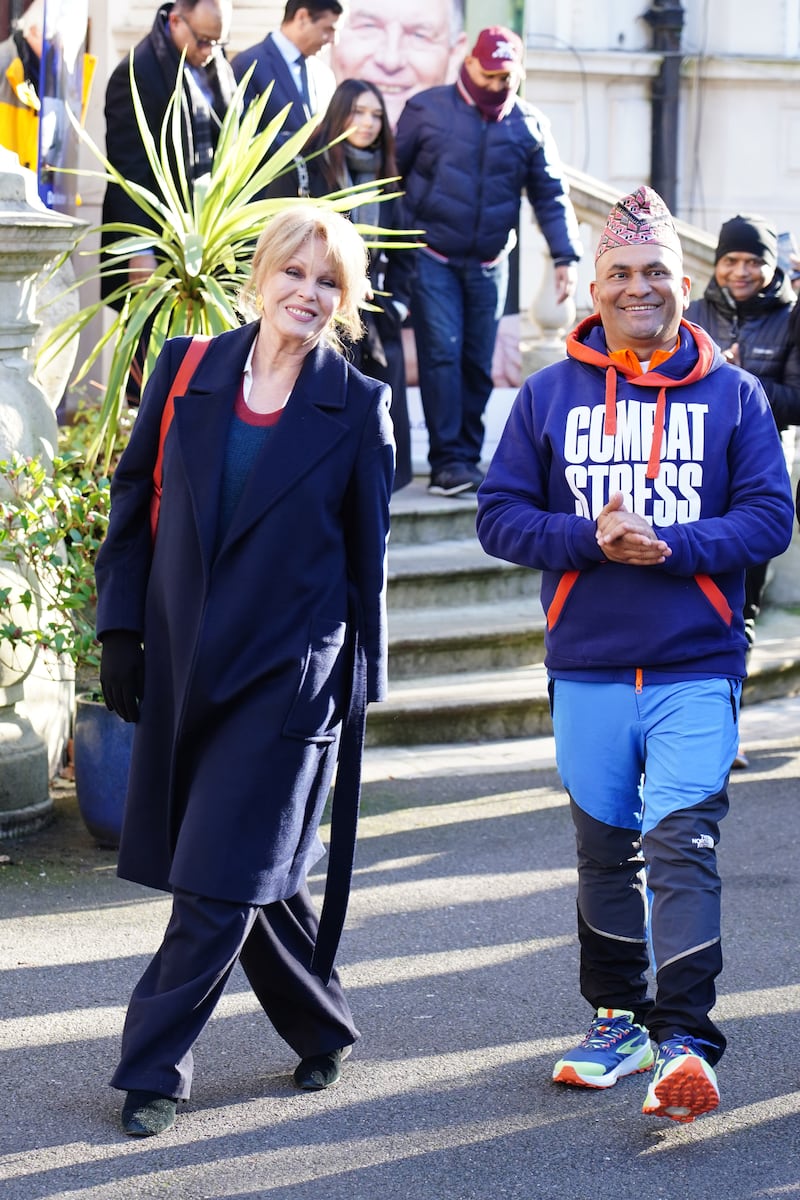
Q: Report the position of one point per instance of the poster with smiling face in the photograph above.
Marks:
(404, 47)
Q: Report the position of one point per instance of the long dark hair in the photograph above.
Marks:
(331, 164)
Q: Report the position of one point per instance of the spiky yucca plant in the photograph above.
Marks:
(204, 240)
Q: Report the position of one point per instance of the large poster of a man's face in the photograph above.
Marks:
(402, 46)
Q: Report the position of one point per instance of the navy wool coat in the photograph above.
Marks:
(246, 662)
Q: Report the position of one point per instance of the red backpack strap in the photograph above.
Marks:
(183, 377)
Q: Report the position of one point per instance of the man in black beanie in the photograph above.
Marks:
(746, 308)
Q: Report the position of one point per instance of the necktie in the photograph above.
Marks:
(301, 62)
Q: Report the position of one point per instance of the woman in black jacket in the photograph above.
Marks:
(364, 156)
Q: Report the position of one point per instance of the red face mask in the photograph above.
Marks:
(493, 106)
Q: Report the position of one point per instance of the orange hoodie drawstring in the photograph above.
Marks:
(654, 461)
(610, 422)
(577, 349)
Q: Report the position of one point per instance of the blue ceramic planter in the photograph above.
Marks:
(102, 754)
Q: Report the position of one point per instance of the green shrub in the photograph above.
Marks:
(203, 240)
(52, 521)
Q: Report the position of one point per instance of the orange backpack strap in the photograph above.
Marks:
(183, 377)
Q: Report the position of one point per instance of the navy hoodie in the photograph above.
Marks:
(693, 448)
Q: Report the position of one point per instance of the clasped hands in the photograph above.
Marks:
(625, 537)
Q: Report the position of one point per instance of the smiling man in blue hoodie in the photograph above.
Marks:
(641, 476)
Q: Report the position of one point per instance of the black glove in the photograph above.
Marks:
(122, 672)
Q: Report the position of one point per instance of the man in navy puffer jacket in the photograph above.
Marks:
(466, 152)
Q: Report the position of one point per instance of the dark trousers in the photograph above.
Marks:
(455, 311)
(684, 895)
(181, 987)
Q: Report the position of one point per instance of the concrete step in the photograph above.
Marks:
(477, 637)
(484, 706)
(453, 573)
(774, 668)
(466, 635)
(466, 707)
(419, 519)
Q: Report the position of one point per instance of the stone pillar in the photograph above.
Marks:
(551, 322)
(30, 237)
(24, 798)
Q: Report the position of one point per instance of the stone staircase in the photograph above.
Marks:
(466, 633)
(466, 636)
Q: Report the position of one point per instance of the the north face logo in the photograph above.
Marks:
(703, 842)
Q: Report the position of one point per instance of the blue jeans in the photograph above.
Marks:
(455, 312)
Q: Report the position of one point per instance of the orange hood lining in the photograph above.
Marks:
(577, 349)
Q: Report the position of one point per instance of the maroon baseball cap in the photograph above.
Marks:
(497, 49)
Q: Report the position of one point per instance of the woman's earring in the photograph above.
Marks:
(259, 302)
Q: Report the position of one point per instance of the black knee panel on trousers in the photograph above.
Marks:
(611, 914)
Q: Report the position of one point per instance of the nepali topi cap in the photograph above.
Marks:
(637, 219)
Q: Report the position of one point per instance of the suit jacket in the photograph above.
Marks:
(247, 671)
(271, 67)
(155, 65)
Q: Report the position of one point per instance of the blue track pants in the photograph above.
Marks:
(646, 771)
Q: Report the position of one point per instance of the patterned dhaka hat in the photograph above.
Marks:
(639, 218)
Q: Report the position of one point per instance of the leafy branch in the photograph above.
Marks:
(203, 240)
(52, 521)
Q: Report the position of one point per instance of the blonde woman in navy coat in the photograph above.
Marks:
(245, 642)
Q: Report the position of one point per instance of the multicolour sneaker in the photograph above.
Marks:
(684, 1084)
(614, 1046)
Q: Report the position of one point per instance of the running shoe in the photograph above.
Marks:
(614, 1046)
(684, 1084)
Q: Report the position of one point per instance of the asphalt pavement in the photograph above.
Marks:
(461, 964)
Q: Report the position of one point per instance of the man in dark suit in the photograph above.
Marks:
(201, 28)
(288, 59)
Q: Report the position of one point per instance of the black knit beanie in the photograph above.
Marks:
(748, 235)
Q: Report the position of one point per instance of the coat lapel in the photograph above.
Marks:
(309, 428)
(202, 418)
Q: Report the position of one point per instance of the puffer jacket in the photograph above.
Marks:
(464, 177)
(762, 327)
